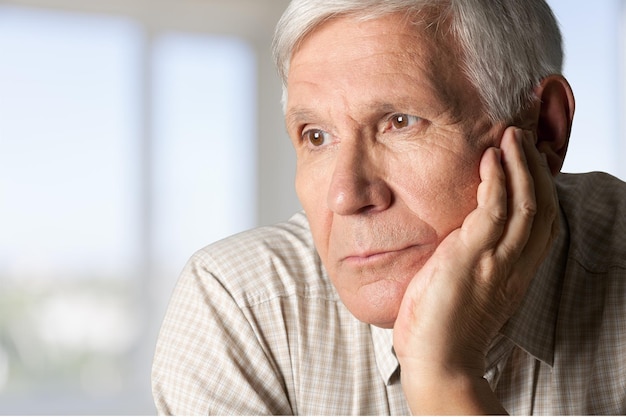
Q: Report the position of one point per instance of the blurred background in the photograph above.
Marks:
(134, 132)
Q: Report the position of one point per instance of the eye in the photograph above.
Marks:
(401, 121)
(315, 137)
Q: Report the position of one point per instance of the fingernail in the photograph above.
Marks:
(498, 154)
(519, 135)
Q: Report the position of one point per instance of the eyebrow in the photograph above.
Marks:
(301, 114)
(297, 115)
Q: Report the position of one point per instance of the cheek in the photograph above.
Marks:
(301, 188)
(311, 189)
(442, 192)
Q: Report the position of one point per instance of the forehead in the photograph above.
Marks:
(401, 35)
(387, 59)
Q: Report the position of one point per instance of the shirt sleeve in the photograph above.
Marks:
(208, 359)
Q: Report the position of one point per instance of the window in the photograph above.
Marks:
(120, 155)
(204, 148)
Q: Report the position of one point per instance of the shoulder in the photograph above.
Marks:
(264, 263)
(594, 205)
(592, 300)
(225, 342)
(601, 191)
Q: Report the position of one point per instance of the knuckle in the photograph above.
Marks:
(498, 219)
(527, 208)
(499, 216)
(490, 270)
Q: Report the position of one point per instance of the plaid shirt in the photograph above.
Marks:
(255, 326)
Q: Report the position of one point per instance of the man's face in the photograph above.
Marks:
(388, 136)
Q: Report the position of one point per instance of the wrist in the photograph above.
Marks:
(435, 390)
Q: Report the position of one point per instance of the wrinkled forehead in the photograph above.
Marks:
(353, 64)
(429, 26)
(430, 19)
(398, 34)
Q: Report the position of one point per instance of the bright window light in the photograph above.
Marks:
(68, 140)
(205, 143)
(120, 155)
(69, 112)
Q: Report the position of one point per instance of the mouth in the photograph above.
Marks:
(378, 256)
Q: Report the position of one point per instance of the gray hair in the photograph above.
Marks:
(508, 46)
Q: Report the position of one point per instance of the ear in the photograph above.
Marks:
(554, 124)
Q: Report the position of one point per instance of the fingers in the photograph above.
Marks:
(521, 200)
(483, 228)
(515, 220)
(545, 223)
(532, 208)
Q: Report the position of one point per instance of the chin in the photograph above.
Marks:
(385, 318)
(377, 306)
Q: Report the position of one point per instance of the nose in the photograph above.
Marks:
(357, 185)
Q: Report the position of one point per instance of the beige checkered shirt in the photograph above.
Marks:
(255, 327)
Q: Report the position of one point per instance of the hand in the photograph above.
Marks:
(475, 280)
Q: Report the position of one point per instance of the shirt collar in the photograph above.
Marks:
(533, 326)
(386, 359)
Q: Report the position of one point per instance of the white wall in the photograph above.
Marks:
(594, 65)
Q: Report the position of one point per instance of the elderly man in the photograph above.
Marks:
(441, 264)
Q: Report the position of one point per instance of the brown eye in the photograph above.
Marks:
(399, 121)
(315, 137)
(402, 121)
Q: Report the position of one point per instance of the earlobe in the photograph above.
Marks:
(556, 113)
